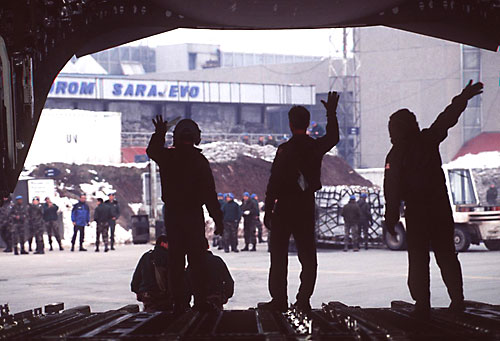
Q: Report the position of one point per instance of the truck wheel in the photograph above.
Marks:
(461, 239)
(492, 245)
(396, 243)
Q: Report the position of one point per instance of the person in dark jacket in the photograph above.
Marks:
(102, 216)
(219, 283)
(413, 174)
(80, 216)
(365, 219)
(5, 224)
(258, 222)
(114, 209)
(232, 216)
(491, 195)
(187, 184)
(150, 279)
(250, 210)
(316, 130)
(50, 217)
(217, 240)
(290, 204)
(352, 216)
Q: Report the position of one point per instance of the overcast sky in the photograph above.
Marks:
(311, 42)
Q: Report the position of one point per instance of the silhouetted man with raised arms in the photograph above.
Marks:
(295, 176)
(413, 174)
(187, 184)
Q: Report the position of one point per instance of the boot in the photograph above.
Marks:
(8, 249)
(72, 247)
(366, 246)
(106, 248)
(39, 251)
(254, 248)
(97, 247)
(112, 246)
(82, 248)
(23, 251)
(60, 245)
(15, 251)
(50, 247)
(245, 248)
(29, 247)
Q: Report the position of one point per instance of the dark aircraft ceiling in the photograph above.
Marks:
(47, 33)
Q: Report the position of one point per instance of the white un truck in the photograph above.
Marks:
(474, 223)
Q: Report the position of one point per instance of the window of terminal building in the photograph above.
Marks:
(192, 61)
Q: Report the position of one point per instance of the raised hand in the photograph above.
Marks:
(472, 90)
(161, 126)
(332, 102)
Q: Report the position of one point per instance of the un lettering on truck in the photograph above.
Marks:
(76, 136)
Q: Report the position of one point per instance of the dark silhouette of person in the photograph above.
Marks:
(219, 283)
(491, 195)
(366, 220)
(187, 184)
(352, 216)
(150, 279)
(290, 204)
(413, 174)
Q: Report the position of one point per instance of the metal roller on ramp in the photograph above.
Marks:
(335, 321)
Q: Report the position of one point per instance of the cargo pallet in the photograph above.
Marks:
(334, 321)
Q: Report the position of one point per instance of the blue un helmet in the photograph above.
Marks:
(231, 195)
(19, 197)
(364, 195)
(352, 197)
(220, 194)
(253, 195)
(246, 194)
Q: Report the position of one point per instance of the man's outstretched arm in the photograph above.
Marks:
(331, 137)
(449, 117)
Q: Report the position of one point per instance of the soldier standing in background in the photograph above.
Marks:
(491, 195)
(115, 214)
(217, 240)
(258, 223)
(232, 216)
(36, 223)
(80, 215)
(365, 219)
(352, 215)
(250, 209)
(4, 223)
(50, 217)
(17, 220)
(102, 216)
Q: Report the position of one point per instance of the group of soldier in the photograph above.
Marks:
(357, 219)
(20, 223)
(232, 213)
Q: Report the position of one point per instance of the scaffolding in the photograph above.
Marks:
(344, 79)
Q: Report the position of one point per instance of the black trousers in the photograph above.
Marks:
(293, 217)
(112, 226)
(77, 229)
(249, 231)
(186, 237)
(430, 226)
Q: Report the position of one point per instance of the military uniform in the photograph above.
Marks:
(115, 214)
(249, 209)
(17, 219)
(5, 225)
(102, 216)
(232, 216)
(36, 226)
(352, 215)
(295, 176)
(364, 221)
(50, 218)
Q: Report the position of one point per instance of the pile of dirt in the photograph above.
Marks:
(252, 174)
(125, 181)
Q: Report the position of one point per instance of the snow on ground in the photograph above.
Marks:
(224, 151)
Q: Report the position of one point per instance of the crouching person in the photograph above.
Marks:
(219, 284)
(150, 279)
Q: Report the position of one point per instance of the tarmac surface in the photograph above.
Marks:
(371, 278)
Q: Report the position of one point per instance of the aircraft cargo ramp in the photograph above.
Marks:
(334, 321)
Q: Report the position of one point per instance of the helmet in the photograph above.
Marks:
(352, 197)
(19, 197)
(187, 129)
(246, 194)
(231, 195)
(363, 195)
(253, 195)
(220, 194)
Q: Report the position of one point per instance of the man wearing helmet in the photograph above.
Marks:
(413, 174)
(187, 184)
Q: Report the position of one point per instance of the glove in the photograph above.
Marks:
(219, 229)
(267, 220)
(247, 212)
